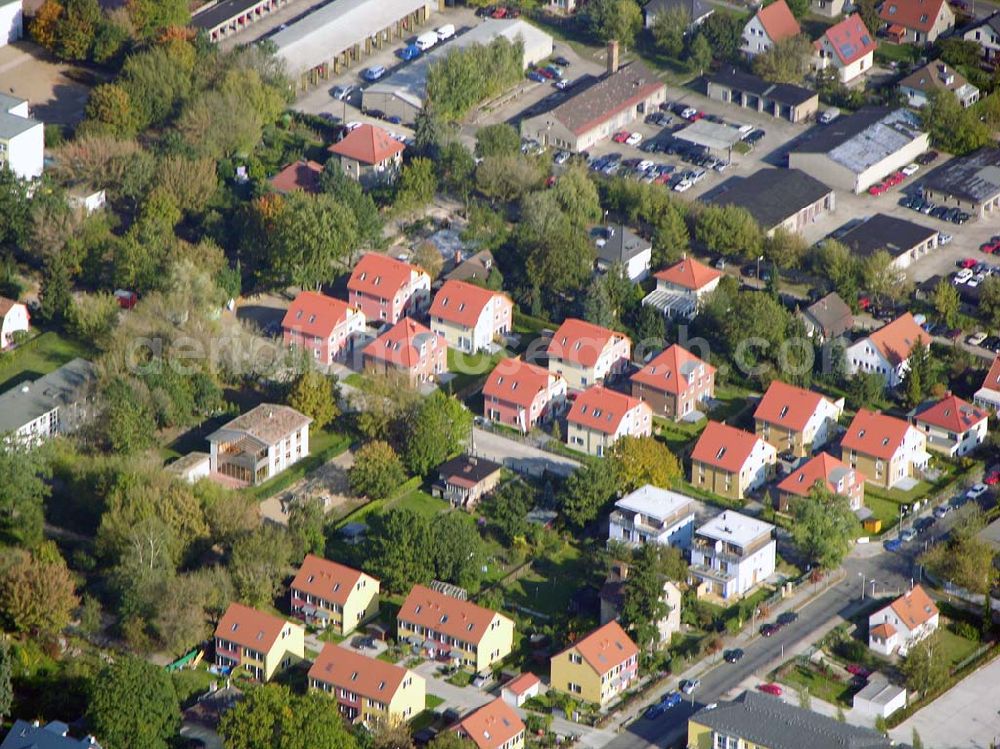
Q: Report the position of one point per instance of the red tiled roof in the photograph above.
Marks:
(492, 725)
(328, 580)
(249, 627)
(400, 344)
(920, 15)
(914, 607)
(896, 340)
(602, 410)
(851, 40)
(516, 381)
(787, 406)
(315, 314)
(724, 447)
(992, 381)
(606, 647)
(380, 276)
(689, 274)
(668, 370)
(581, 342)
(819, 468)
(522, 683)
(883, 631)
(953, 414)
(462, 620)
(368, 144)
(302, 175)
(875, 434)
(367, 677)
(778, 21)
(461, 303)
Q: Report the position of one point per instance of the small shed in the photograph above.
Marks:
(520, 689)
(192, 467)
(879, 697)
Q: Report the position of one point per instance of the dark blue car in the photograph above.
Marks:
(536, 76)
(893, 544)
(410, 52)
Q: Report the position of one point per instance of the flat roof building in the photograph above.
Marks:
(904, 240)
(970, 182)
(54, 404)
(783, 100)
(785, 198)
(231, 17)
(856, 151)
(22, 138)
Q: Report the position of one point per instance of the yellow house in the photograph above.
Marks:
(331, 595)
(368, 690)
(257, 642)
(597, 668)
(442, 625)
(496, 725)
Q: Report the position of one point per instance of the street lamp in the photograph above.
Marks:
(759, 258)
(873, 582)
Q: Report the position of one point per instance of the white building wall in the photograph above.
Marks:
(820, 425)
(755, 38)
(863, 356)
(26, 151)
(16, 320)
(754, 472)
(11, 24)
(756, 568)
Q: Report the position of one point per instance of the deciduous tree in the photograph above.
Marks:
(133, 703)
(399, 549)
(925, 665)
(377, 471)
(38, 592)
(497, 140)
(785, 62)
(637, 461)
(259, 562)
(785, 248)
(824, 527)
(417, 185)
(315, 395)
(305, 526)
(437, 429)
(669, 29)
(23, 493)
(644, 604)
(728, 229)
(946, 302)
(586, 492)
(613, 19)
(507, 510)
(458, 550)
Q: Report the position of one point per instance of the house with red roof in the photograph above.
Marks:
(469, 317)
(848, 47)
(916, 21)
(835, 475)
(333, 596)
(600, 417)
(585, 354)
(520, 689)
(369, 155)
(681, 288)
(770, 25)
(520, 395)
(795, 420)
(887, 350)
(597, 668)
(886, 450)
(674, 383)
(731, 462)
(13, 319)
(495, 725)
(410, 348)
(321, 325)
(952, 426)
(903, 623)
(386, 289)
(300, 175)
(256, 642)
(988, 396)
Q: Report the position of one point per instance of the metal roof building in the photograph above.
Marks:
(786, 198)
(53, 404)
(970, 182)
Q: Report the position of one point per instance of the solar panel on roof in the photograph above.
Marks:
(848, 49)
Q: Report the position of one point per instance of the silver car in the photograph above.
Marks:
(342, 92)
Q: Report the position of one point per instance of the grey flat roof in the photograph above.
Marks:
(325, 33)
(655, 502)
(975, 177)
(863, 139)
(879, 690)
(769, 721)
(734, 527)
(24, 403)
(710, 135)
(782, 93)
(771, 196)
(8, 102)
(881, 232)
(10, 124)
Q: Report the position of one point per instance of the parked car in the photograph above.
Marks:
(671, 700)
(732, 656)
(977, 491)
(564, 84)
(786, 618)
(922, 525)
(556, 71)
(689, 685)
(621, 136)
(634, 139)
(772, 689)
(926, 158)
(907, 535)
(534, 75)
(856, 669)
(655, 710)
(373, 73)
(910, 169)
(688, 113)
(342, 92)
(892, 544)
(941, 511)
(968, 262)
(446, 32)
(561, 61)
(766, 630)
(410, 52)
(561, 157)
(992, 477)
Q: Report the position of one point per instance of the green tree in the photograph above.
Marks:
(456, 169)
(728, 229)
(77, 29)
(464, 77)
(989, 301)
(6, 685)
(644, 604)
(700, 55)
(23, 493)
(785, 249)
(957, 130)
(919, 374)
(882, 278)
(824, 527)
(836, 262)
(349, 193)
(151, 16)
(576, 194)
(417, 185)
(314, 394)
(133, 703)
(586, 492)
(507, 510)
(259, 562)
(312, 238)
(305, 526)
(458, 550)
(597, 306)
(437, 429)
(636, 461)
(669, 29)
(866, 390)
(39, 592)
(868, 10)
(785, 62)
(271, 715)
(427, 135)
(506, 179)
(613, 19)
(723, 30)
(966, 560)
(946, 302)
(497, 140)
(15, 207)
(55, 295)
(925, 666)
(399, 549)
(377, 471)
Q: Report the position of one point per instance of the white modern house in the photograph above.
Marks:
(904, 622)
(731, 554)
(54, 404)
(259, 444)
(887, 350)
(653, 515)
(11, 21)
(952, 426)
(22, 139)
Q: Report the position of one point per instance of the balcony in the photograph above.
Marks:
(701, 570)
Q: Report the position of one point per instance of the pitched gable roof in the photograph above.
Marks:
(851, 40)
(724, 447)
(606, 647)
(602, 410)
(462, 303)
(920, 15)
(518, 382)
(823, 467)
(325, 579)
(778, 21)
(316, 314)
(832, 314)
(400, 345)
(521, 684)
(788, 406)
(953, 414)
(348, 669)
(896, 340)
(268, 423)
(875, 434)
(883, 631)
(492, 725)
(300, 175)
(462, 620)
(250, 628)
(367, 144)
(689, 274)
(380, 275)
(914, 607)
(992, 381)
(670, 370)
(581, 342)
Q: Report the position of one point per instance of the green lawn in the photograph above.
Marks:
(821, 687)
(39, 356)
(549, 586)
(470, 369)
(956, 647)
(460, 678)
(898, 496)
(432, 701)
(422, 503)
(323, 446)
(902, 53)
(884, 509)
(678, 435)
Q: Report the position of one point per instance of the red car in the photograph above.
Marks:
(857, 670)
(989, 247)
(894, 179)
(864, 302)
(877, 189)
(770, 689)
(621, 137)
(992, 478)
(969, 262)
(697, 116)
(545, 72)
(500, 12)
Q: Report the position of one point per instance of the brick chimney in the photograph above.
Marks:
(612, 56)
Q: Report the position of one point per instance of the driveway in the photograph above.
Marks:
(520, 457)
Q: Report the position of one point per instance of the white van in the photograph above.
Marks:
(446, 32)
(426, 41)
(829, 116)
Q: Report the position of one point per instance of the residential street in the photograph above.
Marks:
(520, 457)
